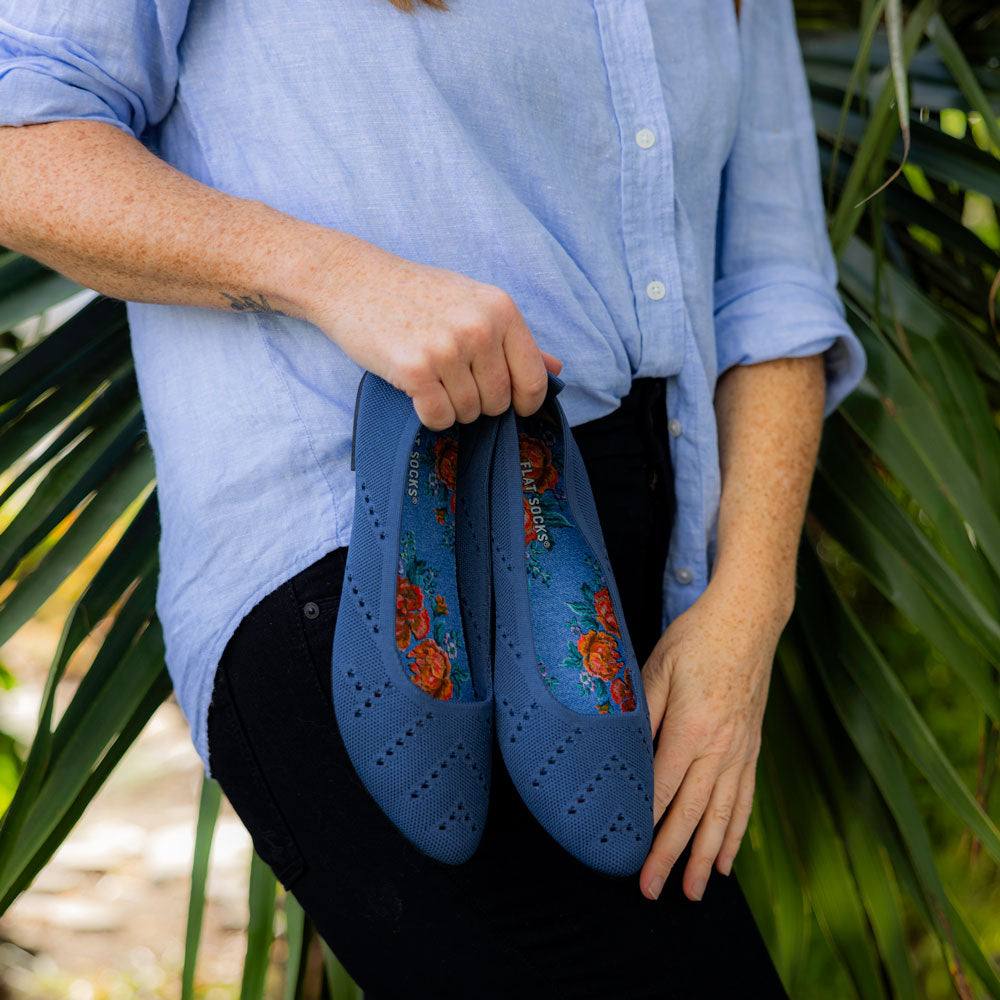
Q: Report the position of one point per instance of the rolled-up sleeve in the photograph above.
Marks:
(775, 281)
(111, 61)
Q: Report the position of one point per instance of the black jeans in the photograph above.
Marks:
(522, 918)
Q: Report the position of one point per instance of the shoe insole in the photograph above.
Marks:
(429, 633)
(581, 655)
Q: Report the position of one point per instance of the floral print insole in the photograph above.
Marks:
(428, 619)
(579, 646)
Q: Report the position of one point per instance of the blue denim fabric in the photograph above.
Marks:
(641, 176)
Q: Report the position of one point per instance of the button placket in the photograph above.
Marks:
(685, 571)
(648, 221)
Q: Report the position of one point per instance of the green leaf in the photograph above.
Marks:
(120, 392)
(951, 53)
(102, 720)
(88, 528)
(856, 506)
(208, 812)
(837, 764)
(87, 467)
(135, 612)
(890, 412)
(154, 697)
(298, 947)
(874, 145)
(882, 687)
(34, 297)
(821, 614)
(98, 330)
(870, 23)
(260, 933)
(341, 985)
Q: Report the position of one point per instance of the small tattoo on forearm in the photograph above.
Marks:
(250, 303)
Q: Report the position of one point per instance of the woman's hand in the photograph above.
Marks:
(457, 346)
(706, 683)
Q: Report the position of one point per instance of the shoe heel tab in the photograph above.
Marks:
(354, 431)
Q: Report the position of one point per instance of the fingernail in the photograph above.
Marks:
(698, 888)
(655, 886)
(726, 865)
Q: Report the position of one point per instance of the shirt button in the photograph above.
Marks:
(656, 289)
(684, 574)
(645, 138)
(674, 426)
(310, 609)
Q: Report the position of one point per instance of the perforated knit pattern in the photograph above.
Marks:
(587, 779)
(426, 762)
(579, 783)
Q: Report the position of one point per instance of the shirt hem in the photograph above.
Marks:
(206, 684)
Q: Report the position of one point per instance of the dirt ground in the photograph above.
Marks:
(106, 919)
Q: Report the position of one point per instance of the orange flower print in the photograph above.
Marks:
(604, 707)
(412, 618)
(440, 605)
(536, 464)
(446, 461)
(600, 654)
(622, 694)
(439, 513)
(605, 611)
(431, 669)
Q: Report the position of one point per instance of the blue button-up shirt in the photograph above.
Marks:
(640, 176)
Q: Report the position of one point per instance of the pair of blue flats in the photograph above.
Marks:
(478, 595)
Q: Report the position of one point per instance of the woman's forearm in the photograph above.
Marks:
(93, 203)
(769, 418)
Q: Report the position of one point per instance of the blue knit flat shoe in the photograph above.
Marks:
(412, 688)
(571, 714)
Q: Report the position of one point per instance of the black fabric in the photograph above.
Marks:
(523, 918)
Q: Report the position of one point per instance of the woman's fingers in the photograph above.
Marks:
(700, 796)
(741, 817)
(489, 369)
(675, 751)
(712, 830)
(657, 688)
(552, 363)
(433, 406)
(686, 809)
(528, 378)
(436, 321)
(463, 392)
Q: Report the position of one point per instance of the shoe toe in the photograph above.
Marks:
(426, 764)
(425, 760)
(588, 781)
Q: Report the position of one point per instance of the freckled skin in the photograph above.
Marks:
(93, 203)
(708, 677)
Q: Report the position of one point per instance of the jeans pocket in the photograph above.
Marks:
(316, 592)
(234, 765)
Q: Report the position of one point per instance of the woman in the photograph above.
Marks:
(625, 193)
